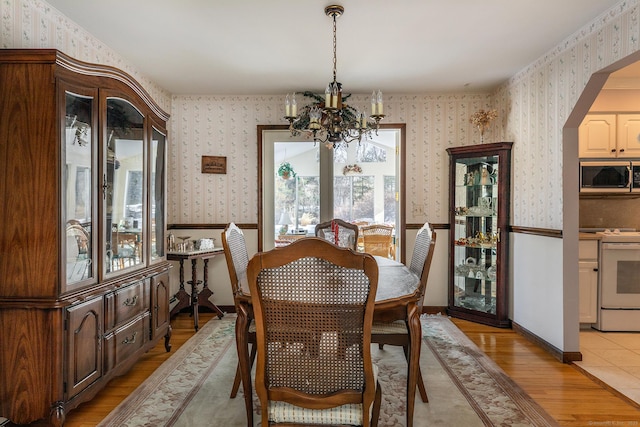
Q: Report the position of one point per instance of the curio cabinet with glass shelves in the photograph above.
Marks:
(479, 204)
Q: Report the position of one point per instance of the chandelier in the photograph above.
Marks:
(329, 119)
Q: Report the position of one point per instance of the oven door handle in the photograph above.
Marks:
(621, 246)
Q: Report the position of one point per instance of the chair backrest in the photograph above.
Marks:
(347, 233)
(377, 239)
(422, 254)
(78, 251)
(313, 304)
(77, 241)
(235, 252)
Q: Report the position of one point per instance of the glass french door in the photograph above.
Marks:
(305, 183)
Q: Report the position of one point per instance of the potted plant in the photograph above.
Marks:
(285, 171)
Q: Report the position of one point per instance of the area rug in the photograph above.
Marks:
(465, 387)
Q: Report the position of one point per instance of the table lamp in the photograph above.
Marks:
(284, 222)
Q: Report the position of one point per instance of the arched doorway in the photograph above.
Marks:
(626, 69)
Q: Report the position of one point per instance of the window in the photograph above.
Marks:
(353, 197)
(133, 203)
(308, 203)
(389, 199)
(369, 153)
(83, 193)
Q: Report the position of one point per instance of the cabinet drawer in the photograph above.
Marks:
(588, 249)
(125, 341)
(126, 303)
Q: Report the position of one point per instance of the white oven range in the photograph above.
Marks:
(619, 290)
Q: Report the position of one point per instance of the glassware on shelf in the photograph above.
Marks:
(184, 246)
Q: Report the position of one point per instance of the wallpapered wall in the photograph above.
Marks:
(34, 24)
(533, 108)
(535, 104)
(226, 126)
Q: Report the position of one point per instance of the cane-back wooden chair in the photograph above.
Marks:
(311, 299)
(396, 331)
(339, 232)
(235, 252)
(377, 239)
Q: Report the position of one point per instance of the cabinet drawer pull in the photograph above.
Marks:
(130, 340)
(129, 302)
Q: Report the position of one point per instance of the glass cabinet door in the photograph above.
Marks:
(77, 187)
(479, 203)
(124, 186)
(156, 189)
(476, 233)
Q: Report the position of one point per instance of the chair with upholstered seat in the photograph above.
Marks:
(396, 332)
(338, 232)
(313, 304)
(235, 252)
(377, 239)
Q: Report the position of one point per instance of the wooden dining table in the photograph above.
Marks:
(396, 299)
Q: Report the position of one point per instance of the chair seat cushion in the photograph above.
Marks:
(351, 414)
(396, 327)
(282, 412)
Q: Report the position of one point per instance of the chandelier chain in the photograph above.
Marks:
(334, 48)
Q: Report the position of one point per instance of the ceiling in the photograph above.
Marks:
(278, 46)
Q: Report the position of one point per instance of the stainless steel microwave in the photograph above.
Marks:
(608, 176)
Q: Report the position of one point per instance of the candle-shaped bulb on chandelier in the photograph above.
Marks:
(287, 106)
(294, 106)
(380, 110)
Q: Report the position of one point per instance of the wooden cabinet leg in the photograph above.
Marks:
(57, 415)
(167, 338)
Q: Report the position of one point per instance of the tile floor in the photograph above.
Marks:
(614, 358)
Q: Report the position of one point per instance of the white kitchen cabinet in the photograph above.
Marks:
(628, 135)
(610, 136)
(597, 136)
(588, 280)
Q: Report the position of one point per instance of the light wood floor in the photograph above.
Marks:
(566, 394)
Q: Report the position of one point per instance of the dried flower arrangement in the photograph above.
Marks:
(482, 119)
(351, 169)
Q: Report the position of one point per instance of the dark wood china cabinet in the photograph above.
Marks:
(84, 281)
(479, 205)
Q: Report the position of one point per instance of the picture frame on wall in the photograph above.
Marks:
(214, 164)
